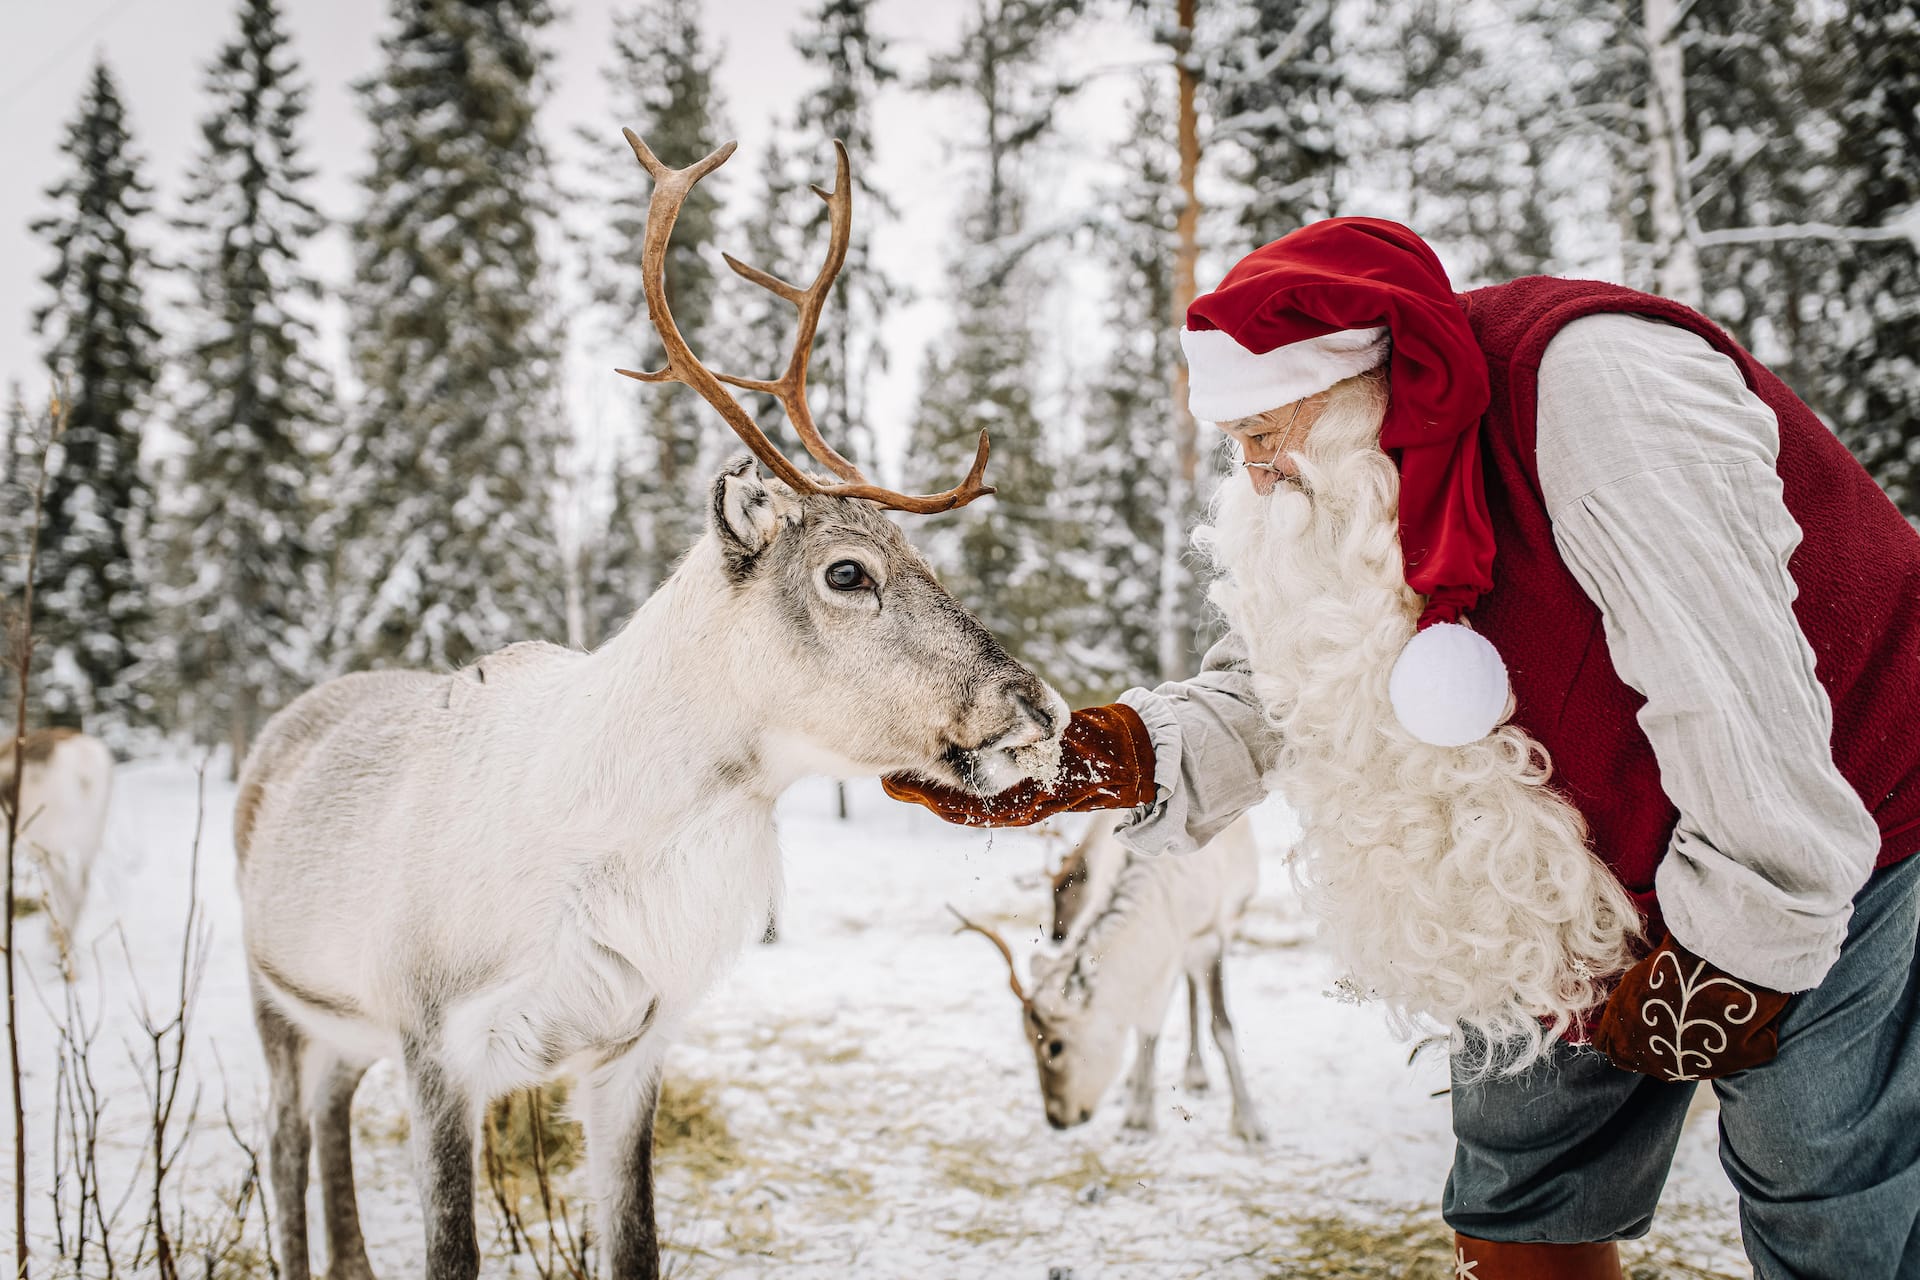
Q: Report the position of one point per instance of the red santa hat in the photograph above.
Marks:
(1334, 299)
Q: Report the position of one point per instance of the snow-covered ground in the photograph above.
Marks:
(875, 1106)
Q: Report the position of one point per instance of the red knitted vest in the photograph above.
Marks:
(1857, 568)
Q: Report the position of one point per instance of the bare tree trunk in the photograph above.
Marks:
(1180, 495)
(246, 705)
(574, 584)
(1676, 259)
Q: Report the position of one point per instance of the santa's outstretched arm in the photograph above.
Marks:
(1209, 753)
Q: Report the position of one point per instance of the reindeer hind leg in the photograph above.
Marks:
(289, 1134)
(1246, 1119)
(444, 1124)
(333, 1148)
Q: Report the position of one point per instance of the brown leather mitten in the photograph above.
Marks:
(1106, 762)
(1675, 1016)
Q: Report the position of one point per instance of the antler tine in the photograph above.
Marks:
(791, 387)
(1006, 952)
(670, 188)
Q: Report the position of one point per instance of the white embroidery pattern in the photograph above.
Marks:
(1713, 1039)
(1462, 1269)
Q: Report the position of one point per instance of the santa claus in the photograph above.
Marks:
(1590, 662)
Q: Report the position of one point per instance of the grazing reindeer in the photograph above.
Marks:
(539, 863)
(65, 783)
(1161, 917)
(1086, 877)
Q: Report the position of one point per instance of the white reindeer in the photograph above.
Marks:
(1158, 919)
(538, 864)
(65, 783)
(1086, 877)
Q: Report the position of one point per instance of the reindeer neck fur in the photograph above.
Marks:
(682, 702)
(1129, 953)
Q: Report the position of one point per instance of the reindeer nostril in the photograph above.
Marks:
(1040, 715)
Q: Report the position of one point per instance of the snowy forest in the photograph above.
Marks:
(227, 522)
(239, 472)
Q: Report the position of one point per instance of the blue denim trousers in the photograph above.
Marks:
(1822, 1143)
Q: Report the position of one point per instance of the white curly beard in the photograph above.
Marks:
(1450, 882)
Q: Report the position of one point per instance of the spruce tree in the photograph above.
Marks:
(840, 41)
(1874, 388)
(18, 468)
(93, 605)
(1445, 112)
(663, 85)
(1123, 475)
(446, 470)
(1276, 94)
(256, 402)
(1015, 559)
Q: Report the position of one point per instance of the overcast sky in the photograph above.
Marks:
(158, 50)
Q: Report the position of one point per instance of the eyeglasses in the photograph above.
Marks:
(1287, 445)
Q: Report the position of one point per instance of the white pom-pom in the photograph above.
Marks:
(1449, 686)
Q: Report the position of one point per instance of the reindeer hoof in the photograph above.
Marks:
(350, 1269)
(1136, 1129)
(1249, 1130)
(1195, 1080)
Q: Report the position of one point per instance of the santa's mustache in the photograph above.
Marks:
(1292, 478)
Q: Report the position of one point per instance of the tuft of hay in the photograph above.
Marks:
(1409, 1248)
(1418, 1246)
(517, 1120)
(691, 1132)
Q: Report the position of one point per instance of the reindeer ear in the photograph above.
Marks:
(743, 514)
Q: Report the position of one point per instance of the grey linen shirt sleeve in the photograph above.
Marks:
(1658, 469)
(1207, 762)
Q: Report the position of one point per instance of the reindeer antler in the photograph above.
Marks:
(1006, 952)
(670, 188)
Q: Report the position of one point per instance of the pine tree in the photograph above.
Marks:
(1276, 93)
(17, 470)
(841, 42)
(1765, 179)
(93, 608)
(1874, 392)
(256, 401)
(1125, 471)
(1446, 115)
(663, 84)
(447, 466)
(1015, 559)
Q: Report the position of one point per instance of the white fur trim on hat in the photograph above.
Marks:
(1448, 686)
(1228, 381)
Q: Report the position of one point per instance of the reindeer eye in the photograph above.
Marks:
(1053, 1048)
(847, 575)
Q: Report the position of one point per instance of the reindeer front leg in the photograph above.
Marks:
(1139, 1117)
(1194, 1080)
(444, 1120)
(618, 1110)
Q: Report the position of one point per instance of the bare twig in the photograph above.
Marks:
(496, 1172)
(166, 1053)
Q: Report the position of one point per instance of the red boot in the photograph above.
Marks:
(1494, 1260)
